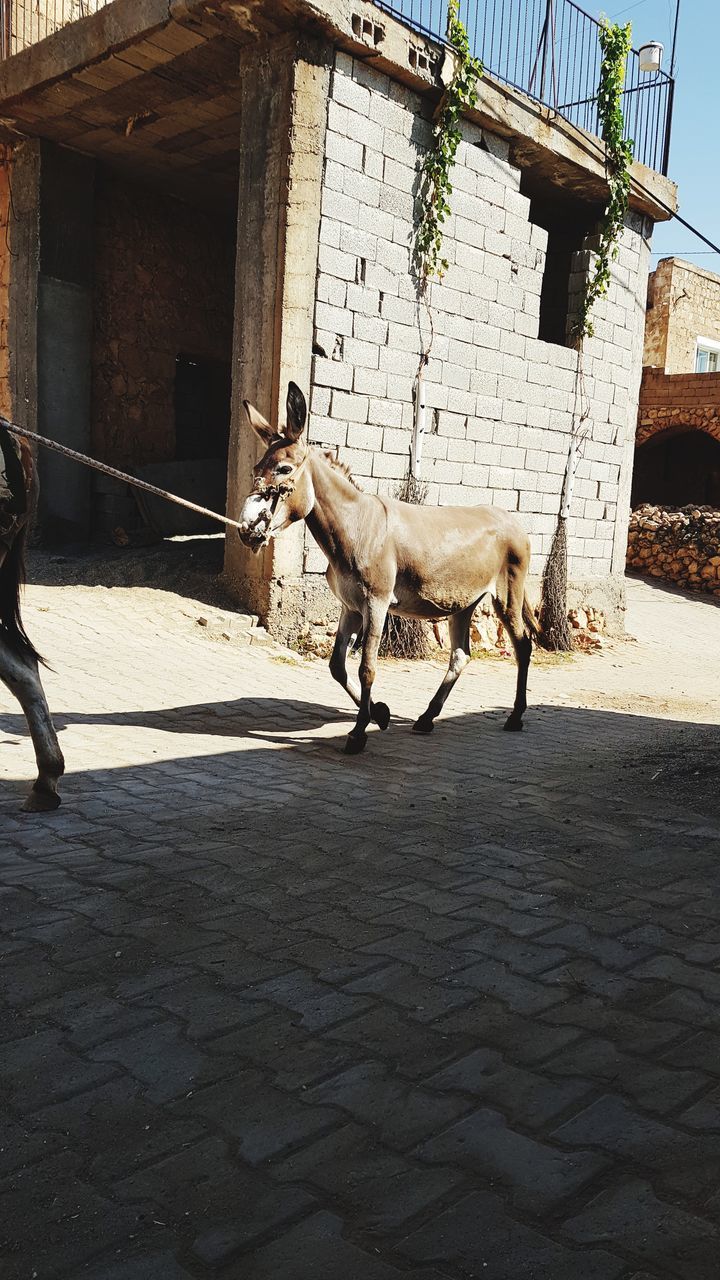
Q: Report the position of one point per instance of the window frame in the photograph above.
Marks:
(710, 347)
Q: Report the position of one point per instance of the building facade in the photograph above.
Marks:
(678, 434)
(210, 200)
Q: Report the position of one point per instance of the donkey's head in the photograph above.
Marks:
(282, 490)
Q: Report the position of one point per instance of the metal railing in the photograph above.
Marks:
(24, 22)
(549, 49)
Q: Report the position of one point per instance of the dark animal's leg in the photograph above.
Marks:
(511, 617)
(348, 627)
(459, 626)
(373, 623)
(20, 674)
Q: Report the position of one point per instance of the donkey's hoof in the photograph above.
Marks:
(423, 725)
(356, 743)
(513, 724)
(381, 714)
(41, 802)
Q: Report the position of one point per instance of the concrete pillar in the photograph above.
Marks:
(284, 88)
(23, 282)
(64, 336)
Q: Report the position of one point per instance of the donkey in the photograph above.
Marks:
(18, 659)
(389, 556)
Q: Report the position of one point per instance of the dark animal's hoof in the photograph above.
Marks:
(423, 725)
(513, 724)
(41, 802)
(381, 714)
(355, 743)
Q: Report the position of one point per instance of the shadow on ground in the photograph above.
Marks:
(452, 1005)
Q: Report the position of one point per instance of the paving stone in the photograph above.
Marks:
(160, 1058)
(627, 1029)
(20, 1146)
(37, 1069)
(524, 1097)
(521, 995)
(608, 952)
(413, 1049)
(680, 974)
(537, 1178)
(684, 1162)
(316, 1250)
(520, 1039)
(317, 1004)
(364, 1178)
(89, 1016)
(399, 1113)
(205, 1008)
(202, 1182)
(262, 1213)
(114, 1128)
(521, 954)
(700, 1051)
(424, 1000)
(265, 1120)
(77, 1220)
(150, 1266)
(653, 1086)
(704, 1114)
(479, 1238)
(651, 1230)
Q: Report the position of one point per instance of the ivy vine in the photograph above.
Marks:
(615, 46)
(435, 185)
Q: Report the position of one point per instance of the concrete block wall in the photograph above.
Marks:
(500, 400)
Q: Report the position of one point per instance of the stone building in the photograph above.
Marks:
(678, 433)
(205, 199)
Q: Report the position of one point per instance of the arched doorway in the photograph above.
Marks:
(678, 468)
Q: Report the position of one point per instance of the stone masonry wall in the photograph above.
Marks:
(5, 397)
(683, 305)
(678, 402)
(500, 399)
(679, 544)
(163, 285)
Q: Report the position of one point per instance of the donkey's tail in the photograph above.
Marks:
(12, 579)
(532, 624)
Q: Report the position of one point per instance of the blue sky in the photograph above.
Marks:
(695, 151)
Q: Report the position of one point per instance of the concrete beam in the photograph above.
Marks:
(541, 139)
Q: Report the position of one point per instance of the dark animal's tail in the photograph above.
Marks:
(12, 578)
(532, 625)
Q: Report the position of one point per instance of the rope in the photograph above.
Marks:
(117, 475)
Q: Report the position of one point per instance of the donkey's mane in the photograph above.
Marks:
(342, 467)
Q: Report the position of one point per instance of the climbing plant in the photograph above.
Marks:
(435, 185)
(615, 46)
(407, 637)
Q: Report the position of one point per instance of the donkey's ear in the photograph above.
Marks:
(296, 412)
(260, 425)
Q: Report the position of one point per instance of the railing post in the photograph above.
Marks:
(668, 127)
(5, 27)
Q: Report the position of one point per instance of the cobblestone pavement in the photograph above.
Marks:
(447, 1009)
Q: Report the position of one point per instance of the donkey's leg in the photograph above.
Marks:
(459, 626)
(348, 627)
(20, 674)
(373, 623)
(512, 620)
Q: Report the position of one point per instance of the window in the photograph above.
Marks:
(568, 220)
(707, 356)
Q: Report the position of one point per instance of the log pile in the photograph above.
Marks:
(680, 544)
